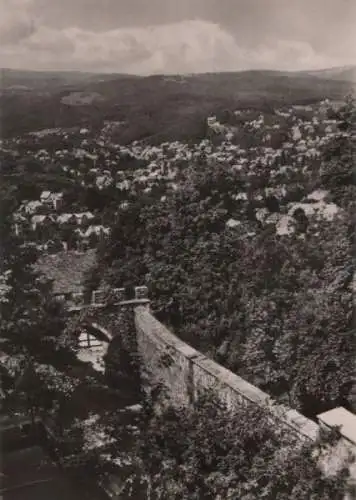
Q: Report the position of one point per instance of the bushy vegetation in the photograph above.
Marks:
(32, 323)
(210, 452)
(37, 358)
(275, 309)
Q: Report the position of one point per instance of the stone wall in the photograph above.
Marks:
(184, 372)
(166, 361)
(161, 358)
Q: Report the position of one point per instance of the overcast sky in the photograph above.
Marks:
(177, 36)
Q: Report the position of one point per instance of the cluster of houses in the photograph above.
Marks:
(54, 230)
(283, 149)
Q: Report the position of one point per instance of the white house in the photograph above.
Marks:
(46, 197)
(54, 199)
(66, 219)
(32, 207)
(40, 220)
(84, 217)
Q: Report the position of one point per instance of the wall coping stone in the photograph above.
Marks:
(290, 417)
(161, 332)
(133, 302)
(342, 418)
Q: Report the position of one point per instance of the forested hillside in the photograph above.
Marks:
(243, 231)
(154, 108)
(254, 266)
(232, 197)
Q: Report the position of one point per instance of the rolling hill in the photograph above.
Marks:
(155, 108)
(343, 73)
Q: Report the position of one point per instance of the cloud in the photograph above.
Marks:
(182, 47)
(16, 22)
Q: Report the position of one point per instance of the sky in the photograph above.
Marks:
(176, 36)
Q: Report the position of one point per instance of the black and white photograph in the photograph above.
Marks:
(177, 250)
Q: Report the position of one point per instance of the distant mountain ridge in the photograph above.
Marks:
(49, 80)
(163, 107)
(9, 76)
(344, 73)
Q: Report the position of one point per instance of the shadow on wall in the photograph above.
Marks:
(122, 373)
